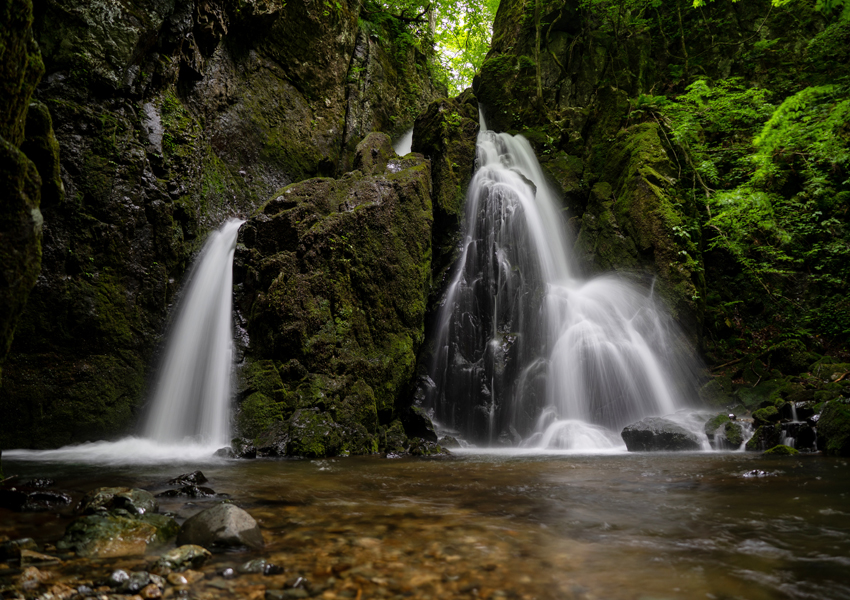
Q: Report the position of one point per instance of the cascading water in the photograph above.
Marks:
(192, 395)
(189, 416)
(526, 352)
(403, 145)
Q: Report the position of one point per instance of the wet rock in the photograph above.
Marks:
(227, 572)
(764, 437)
(448, 441)
(11, 550)
(252, 566)
(27, 498)
(729, 437)
(177, 579)
(833, 428)
(30, 557)
(781, 450)
(150, 591)
(134, 501)
(105, 536)
(193, 478)
(225, 452)
(243, 448)
(166, 527)
(188, 491)
(804, 435)
(658, 434)
(419, 447)
(118, 578)
(136, 582)
(417, 424)
(184, 557)
(31, 578)
(222, 526)
(273, 569)
(766, 416)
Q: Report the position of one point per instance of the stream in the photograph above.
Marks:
(496, 525)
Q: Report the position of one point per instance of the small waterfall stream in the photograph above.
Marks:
(526, 352)
(191, 399)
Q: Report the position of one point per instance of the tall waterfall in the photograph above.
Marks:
(526, 352)
(192, 395)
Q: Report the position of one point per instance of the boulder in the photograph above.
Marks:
(657, 433)
(134, 501)
(834, 428)
(222, 526)
(107, 536)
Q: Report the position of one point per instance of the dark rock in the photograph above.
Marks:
(729, 437)
(833, 428)
(766, 416)
(658, 434)
(12, 549)
(804, 435)
(193, 478)
(764, 437)
(256, 565)
(25, 498)
(188, 491)
(272, 569)
(134, 501)
(226, 452)
(417, 424)
(222, 526)
(118, 578)
(243, 448)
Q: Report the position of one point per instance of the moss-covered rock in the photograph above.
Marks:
(764, 437)
(336, 277)
(446, 134)
(833, 428)
(781, 450)
(764, 416)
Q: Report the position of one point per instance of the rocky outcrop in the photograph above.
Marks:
(170, 117)
(333, 280)
(446, 134)
(658, 434)
(24, 137)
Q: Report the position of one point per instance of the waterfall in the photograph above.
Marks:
(191, 399)
(402, 145)
(525, 351)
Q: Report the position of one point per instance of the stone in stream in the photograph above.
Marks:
(104, 536)
(222, 526)
(189, 491)
(32, 498)
(193, 478)
(657, 433)
(132, 500)
(12, 549)
(183, 557)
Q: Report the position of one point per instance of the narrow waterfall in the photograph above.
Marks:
(526, 352)
(403, 145)
(191, 399)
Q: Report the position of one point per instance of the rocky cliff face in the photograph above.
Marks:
(171, 116)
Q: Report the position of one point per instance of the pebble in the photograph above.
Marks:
(150, 591)
(177, 579)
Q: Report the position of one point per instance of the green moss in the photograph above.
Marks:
(257, 413)
(734, 434)
(714, 423)
(834, 428)
(766, 415)
(781, 450)
(313, 434)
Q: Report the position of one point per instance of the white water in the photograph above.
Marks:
(527, 353)
(191, 400)
(403, 145)
(190, 411)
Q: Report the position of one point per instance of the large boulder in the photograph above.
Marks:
(834, 428)
(108, 536)
(222, 526)
(658, 433)
(333, 281)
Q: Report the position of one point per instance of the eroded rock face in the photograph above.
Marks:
(222, 526)
(333, 282)
(658, 434)
(170, 117)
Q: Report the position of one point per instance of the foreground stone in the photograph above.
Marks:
(657, 433)
(222, 526)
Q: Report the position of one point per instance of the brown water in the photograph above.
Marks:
(630, 526)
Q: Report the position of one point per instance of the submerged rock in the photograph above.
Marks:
(107, 536)
(183, 557)
(189, 491)
(657, 433)
(26, 498)
(222, 526)
(134, 501)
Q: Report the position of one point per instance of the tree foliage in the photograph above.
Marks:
(460, 30)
